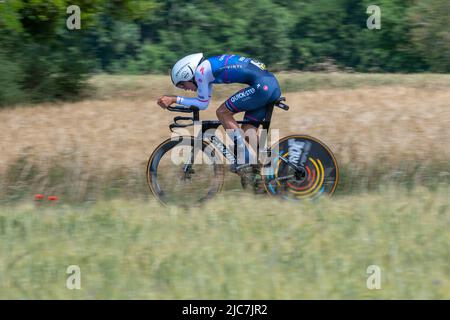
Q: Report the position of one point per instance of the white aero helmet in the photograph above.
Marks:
(184, 69)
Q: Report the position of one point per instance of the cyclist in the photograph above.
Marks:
(195, 73)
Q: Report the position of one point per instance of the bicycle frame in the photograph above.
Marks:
(220, 145)
(295, 166)
(214, 124)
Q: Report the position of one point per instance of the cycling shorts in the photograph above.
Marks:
(254, 99)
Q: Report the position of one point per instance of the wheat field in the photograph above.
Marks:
(361, 125)
(380, 127)
(237, 246)
(230, 248)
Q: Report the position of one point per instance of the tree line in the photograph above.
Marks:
(41, 59)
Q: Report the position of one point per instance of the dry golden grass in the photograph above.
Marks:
(119, 131)
(150, 86)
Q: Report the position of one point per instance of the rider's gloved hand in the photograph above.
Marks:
(166, 101)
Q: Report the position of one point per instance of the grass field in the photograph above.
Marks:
(379, 126)
(150, 86)
(391, 137)
(236, 247)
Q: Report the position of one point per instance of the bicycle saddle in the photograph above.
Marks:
(279, 103)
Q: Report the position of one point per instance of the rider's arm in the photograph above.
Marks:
(203, 77)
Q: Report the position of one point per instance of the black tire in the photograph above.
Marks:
(187, 182)
(318, 174)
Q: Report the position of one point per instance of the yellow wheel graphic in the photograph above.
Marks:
(301, 167)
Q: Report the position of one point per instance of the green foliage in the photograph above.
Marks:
(148, 36)
(430, 22)
(43, 60)
(11, 76)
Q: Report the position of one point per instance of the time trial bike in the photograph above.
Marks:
(186, 169)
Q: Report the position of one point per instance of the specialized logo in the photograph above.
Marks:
(265, 88)
(243, 94)
(223, 149)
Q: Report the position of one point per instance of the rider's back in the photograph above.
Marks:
(231, 68)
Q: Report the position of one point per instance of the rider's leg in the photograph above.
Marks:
(232, 129)
(253, 100)
(251, 138)
(249, 129)
(226, 118)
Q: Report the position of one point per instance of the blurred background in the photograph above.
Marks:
(79, 120)
(42, 60)
(77, 106)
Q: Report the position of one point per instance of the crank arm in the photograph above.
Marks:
(283, 178)
(295, 167)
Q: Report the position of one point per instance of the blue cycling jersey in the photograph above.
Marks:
(236, 69)
(231, 68)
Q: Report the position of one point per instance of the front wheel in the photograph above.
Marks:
(184, 171)
(300, 167)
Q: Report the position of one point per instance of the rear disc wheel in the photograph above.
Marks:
(301, 167)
